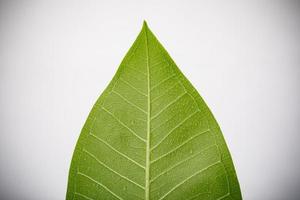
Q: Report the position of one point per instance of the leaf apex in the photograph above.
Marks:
(145, 26)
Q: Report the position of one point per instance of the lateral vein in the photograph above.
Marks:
(179, 146)
(98, 183)
(115, 150)
(168, 105)
(120, 122)
(156, 98)
(179, 163)
(188, 178)
(110, 169)
(82, 195)
(173, 129)
(129, 102)
(130, 85)
(164, 80)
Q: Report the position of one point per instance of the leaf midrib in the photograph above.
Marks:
(147, 171)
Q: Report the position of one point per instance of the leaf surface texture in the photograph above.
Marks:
(151, 136)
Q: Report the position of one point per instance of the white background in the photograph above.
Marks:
(57, 57)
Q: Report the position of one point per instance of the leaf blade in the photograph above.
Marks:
(162, 140)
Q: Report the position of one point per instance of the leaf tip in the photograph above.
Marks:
(145, 24)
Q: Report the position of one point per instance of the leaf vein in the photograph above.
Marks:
(179, 163)
(129, 102)
(133, 68)
(130, 85)
(167, 106)
(107, 167)
(98, 183)
(120, 122)
(173, 129)
(188, 178)
(115, 150)
(222, 197)
(84, 196)
(161, 82)
(148, 158)
(156, 98)
(179, 146)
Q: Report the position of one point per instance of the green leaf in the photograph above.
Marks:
(151, 136)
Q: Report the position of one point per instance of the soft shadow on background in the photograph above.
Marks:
(56, 58)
